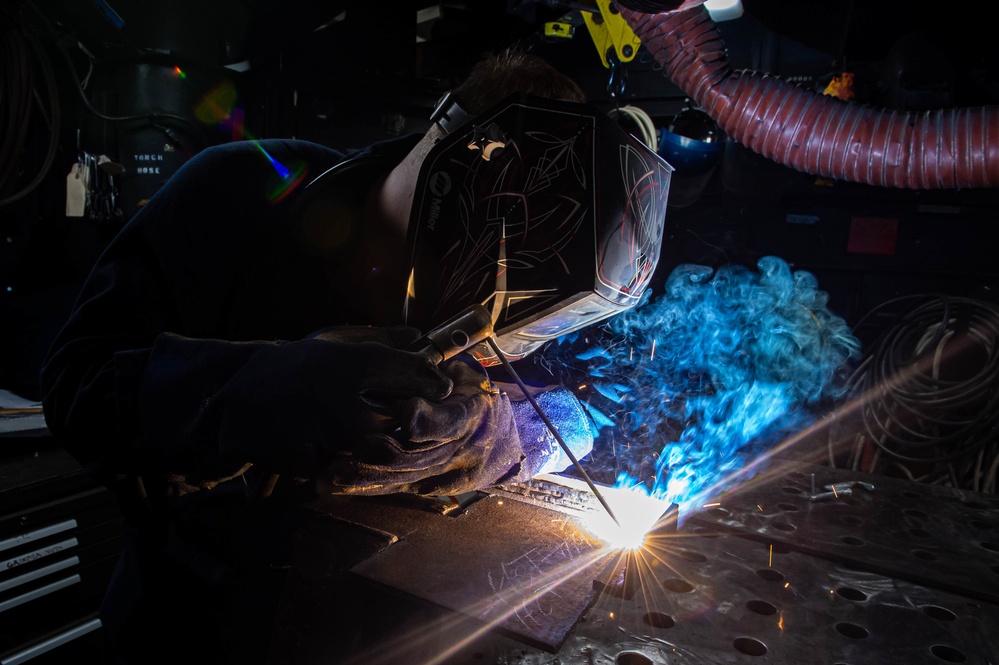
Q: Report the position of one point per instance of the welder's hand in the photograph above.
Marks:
(465, 442)
(397, 337)
(292, 407)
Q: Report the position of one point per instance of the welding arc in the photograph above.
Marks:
(551, 427)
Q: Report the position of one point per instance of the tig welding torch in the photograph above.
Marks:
(473, 326)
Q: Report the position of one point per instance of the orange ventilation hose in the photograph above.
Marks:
(815, 133)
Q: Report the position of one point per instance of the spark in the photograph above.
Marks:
(760, 507)
(787, 585)
(653, 356)
(712, 505)
(771, 564)
(835, 494)
(179, 72)
(780, 622)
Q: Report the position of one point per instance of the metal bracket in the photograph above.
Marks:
(611, 33)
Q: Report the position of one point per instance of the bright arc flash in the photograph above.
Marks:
(635, 510)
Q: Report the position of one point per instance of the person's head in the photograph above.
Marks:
(511, 71)
(494, 78)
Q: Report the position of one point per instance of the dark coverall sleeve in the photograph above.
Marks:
(165, 285)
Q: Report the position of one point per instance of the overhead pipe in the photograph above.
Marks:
(811, 132)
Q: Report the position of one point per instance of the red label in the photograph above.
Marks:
(872, 235)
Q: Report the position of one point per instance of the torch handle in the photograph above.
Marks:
(466, 329)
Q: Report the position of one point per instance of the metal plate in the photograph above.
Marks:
(516, 569)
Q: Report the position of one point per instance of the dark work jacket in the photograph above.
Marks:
(219, 259)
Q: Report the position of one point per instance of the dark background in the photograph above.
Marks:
(348, 73)
(125, 79)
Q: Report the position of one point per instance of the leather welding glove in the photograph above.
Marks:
(468, 441)
(564, 411)
(386, 378)
(461, 443)
(210, 407)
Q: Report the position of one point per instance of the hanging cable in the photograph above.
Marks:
(25, 103)
(646, 129)
(154, 118)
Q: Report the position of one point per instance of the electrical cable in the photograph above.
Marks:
(151, 116)
(23, 58)
(930, 389)
(641, 119)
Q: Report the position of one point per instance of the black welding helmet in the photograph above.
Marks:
(546, 212)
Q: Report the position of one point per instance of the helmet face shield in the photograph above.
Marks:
(546, 212)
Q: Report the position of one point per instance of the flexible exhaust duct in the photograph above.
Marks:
(811, 132)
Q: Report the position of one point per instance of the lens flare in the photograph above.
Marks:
(287, 178)
(217, 104)
(219, 107)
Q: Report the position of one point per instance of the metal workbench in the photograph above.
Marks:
(784, 570)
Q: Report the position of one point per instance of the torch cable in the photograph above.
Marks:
(551, 426)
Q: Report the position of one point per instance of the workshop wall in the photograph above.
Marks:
(141, 87)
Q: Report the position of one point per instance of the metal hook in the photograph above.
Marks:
(617, 81)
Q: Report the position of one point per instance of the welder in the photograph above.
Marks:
(247, 324)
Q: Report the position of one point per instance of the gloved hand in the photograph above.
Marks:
(540, 445)
(389, 377)
(209, 407)
(463, 442)
(473, 439)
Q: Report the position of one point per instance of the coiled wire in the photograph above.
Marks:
(929, 390)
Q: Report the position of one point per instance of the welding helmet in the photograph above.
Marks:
(546, 212)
